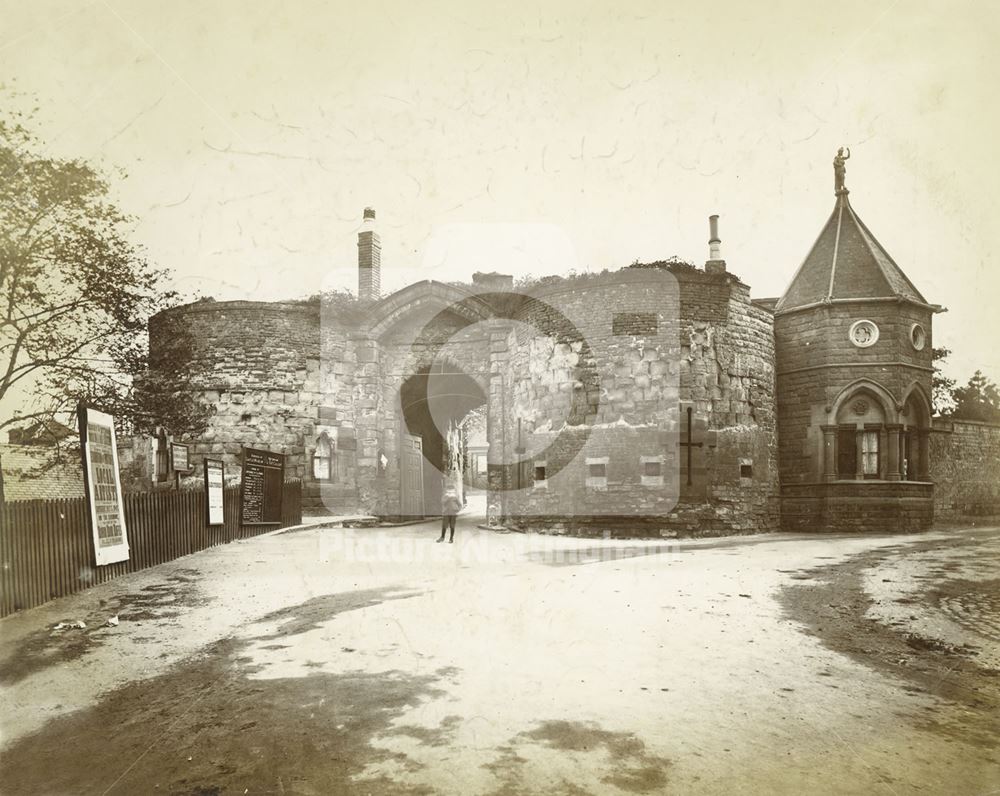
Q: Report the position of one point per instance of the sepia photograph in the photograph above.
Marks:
(573, 398)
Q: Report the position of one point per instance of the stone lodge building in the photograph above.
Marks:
(658, 398)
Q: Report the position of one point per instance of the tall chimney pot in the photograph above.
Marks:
(369, 259)
(715, 264)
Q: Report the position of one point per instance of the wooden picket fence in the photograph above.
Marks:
(46, 548)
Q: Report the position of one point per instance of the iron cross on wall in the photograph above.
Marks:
(687, 441)
(695, 435)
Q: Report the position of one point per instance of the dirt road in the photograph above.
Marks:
(376, 661)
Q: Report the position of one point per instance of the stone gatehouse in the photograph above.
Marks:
(656, 398)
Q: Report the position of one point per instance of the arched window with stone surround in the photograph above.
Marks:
(860, 440)
(914, 437)
(323, 459)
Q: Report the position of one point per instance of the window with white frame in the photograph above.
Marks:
(869, 453)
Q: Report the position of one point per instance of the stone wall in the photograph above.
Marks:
(727, 373)
(965, 468)
(260, 366)
(598, 351)
(652, 340)
(861, 506)
(610, 356)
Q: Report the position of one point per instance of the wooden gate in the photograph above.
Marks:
(411, 475)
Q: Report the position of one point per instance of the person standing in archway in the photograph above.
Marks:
(450, 506)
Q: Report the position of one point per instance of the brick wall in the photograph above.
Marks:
(32, 473)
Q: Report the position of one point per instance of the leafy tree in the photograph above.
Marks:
(75, 297)
(978, 400)
(942, 388)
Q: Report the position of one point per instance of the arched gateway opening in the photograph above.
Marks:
(435, 405)
(425, 355)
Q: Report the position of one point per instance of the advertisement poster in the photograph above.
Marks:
(103, 486)
(214, 480)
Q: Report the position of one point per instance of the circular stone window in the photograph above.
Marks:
(918, 336)
(863, 333)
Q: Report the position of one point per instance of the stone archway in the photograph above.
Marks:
(411, 333)
(860, 436)
(877, 391)
(432, 406)
(424, 362)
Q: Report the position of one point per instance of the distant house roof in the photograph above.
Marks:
(41, 432)
(28, 476)
(846, 262)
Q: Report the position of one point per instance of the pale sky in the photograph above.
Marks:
(530, 138)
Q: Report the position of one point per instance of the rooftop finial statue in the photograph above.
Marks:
(840, 170)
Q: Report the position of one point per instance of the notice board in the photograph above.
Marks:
(261, 485)
(180, 457)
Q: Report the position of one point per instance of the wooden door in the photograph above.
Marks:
(847, 453)
(411, 475)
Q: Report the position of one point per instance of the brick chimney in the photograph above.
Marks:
(715, 263)
(369, 259)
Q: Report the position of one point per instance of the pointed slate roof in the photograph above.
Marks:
(846, 262)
